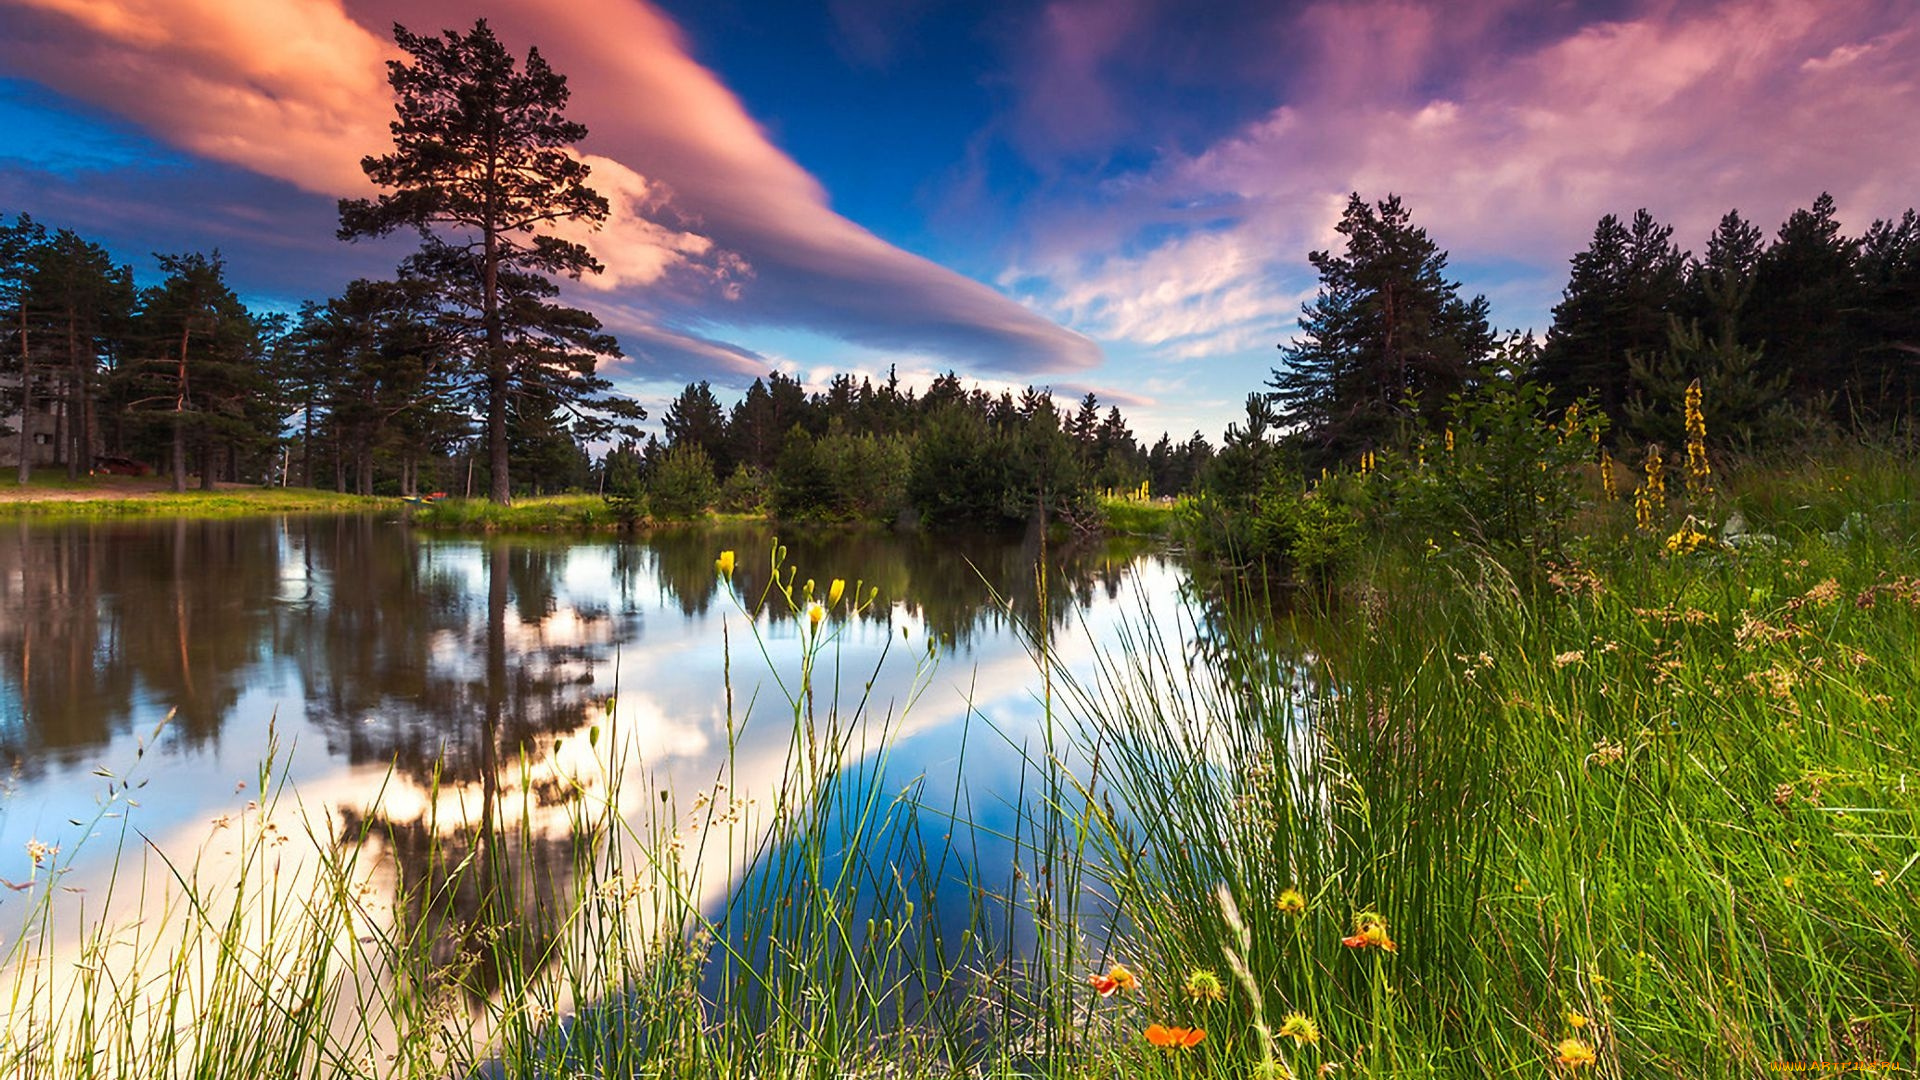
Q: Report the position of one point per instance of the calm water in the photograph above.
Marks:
(367, 658)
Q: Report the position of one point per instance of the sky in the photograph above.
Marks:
(1115, 196)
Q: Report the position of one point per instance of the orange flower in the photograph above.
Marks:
(1118, 977)
(1370, 931)
(1173, 1038)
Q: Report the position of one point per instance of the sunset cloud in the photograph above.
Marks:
(1688, 110)
(713, 225)
(1148, 174)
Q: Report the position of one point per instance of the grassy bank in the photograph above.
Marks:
(1656, 813)
(592, 513)
(1138, 517)
(107, 497)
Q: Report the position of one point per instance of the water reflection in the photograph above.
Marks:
(460, 680)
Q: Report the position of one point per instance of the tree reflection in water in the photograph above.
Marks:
(454, 662)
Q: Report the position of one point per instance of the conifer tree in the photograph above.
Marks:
(1616, 305)
(1387, 341)
(480, 167)
(1804, 293)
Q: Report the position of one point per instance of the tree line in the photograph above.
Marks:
(951, 457)
(466, 352)
(1814, 332)
(465, 372)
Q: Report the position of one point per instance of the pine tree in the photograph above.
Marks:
(1804, 293)
(83, 302)
(480, 168)
(20, 244)
(1616, 305)
(1887, 328)
(695, 419)
(199, 379)
(1386, 342)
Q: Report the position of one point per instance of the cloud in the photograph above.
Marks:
(1685, 109)
(713, 225)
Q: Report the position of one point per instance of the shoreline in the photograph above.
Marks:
(119, 496)
(116, 496)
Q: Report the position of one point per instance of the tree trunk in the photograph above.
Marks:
(82, 361)
(180, 411)
(306, 442)
(59, 444)
(500, 490)
(209, 460)
(179, 455)
(26, 400)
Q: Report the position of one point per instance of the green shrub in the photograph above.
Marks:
(749, 490)
(841, 477)
(1501, 477)
(682, 484)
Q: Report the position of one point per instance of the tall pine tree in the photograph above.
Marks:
(1618, 299)
(1804, 294)
(1387, 341)
(480, 168)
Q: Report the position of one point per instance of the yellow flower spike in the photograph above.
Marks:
(724, 564)
(833, 592)
(815, 613)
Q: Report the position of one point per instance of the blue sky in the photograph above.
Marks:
(1106, 195)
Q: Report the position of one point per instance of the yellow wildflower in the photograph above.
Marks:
(1575, 1053)
(1291, 902)
(1204, 985)
(724, 564)
(1370, 932)
(833, 591)
(815, 613)
(1300, 1028)
(1576, 1020)
(1699, 473)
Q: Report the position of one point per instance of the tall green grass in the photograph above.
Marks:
(1666, 805)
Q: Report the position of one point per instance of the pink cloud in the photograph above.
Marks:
(1067, 105)
(712, 223)
(1686, 109)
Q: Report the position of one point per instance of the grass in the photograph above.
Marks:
(550, 513)
(1647, 814)
(1138, 517)
(112, 497)
(1663, 805)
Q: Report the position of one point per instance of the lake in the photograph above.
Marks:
(155, 676)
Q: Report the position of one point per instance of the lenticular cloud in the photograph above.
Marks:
(712, 225)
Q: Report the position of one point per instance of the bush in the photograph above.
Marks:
(841, 477)
(682, 485)
(748, 490)
(1502, 475)
(1310, 537)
